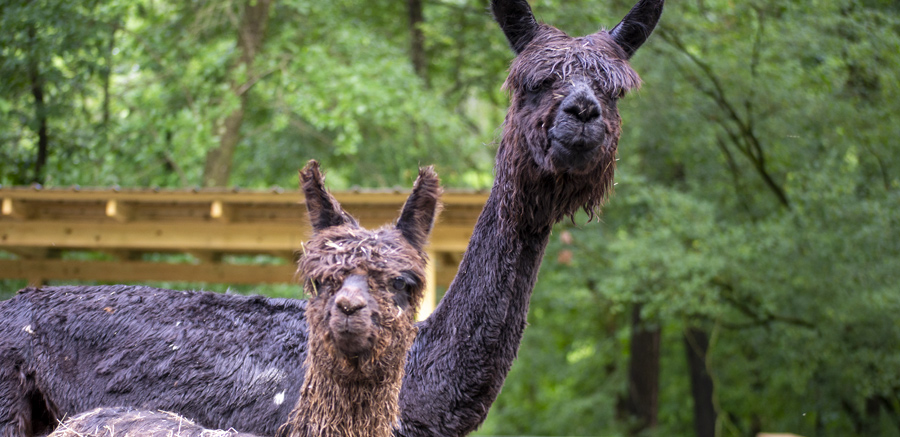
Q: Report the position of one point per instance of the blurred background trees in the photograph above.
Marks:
(743, 278)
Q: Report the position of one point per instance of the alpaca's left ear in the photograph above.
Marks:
(324, 210)
(637, 26)
(517, 21)
(421, 208)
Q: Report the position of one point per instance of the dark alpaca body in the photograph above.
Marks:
(557, 155)
(366, 288)
(224, 358)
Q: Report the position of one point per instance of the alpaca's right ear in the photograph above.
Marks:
(421, 208)
(516, 20)
(324, 210)
(637, 26)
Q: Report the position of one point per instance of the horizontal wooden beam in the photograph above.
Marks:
(209, 195)
(185, 236)
(135, 271)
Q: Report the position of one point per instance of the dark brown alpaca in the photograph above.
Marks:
(366, 288)
(557, 155)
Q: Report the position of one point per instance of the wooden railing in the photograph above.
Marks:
(216, 228)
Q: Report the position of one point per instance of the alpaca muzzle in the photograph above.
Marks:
(352, 296)
(578, 130)
(351, 321)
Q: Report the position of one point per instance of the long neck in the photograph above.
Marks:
(332, 404)
(465, 349)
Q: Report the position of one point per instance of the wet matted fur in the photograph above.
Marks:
(352, 382)
(556, 156)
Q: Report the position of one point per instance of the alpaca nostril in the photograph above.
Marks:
(581, 103)
(583, 109)
(349, 305)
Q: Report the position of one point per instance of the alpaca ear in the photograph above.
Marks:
(421, 208)
(637, 26)
(516, 20)
(324, 210)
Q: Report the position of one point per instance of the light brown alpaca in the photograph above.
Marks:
(366, 288)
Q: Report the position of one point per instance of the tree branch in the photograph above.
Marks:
(752, 148)
(766, 318)
(246, 86)
(760, 317)
(735, 174)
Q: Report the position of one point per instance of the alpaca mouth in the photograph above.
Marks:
(352, 335)
(576, 154)
(575, 146)
(352, 344)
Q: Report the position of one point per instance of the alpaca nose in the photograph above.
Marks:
(351, 297)
(581, 104)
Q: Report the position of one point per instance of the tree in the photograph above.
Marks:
(254, 16)
(48, 66)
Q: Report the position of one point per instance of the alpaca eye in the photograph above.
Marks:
(538, 87)
(401, 287)
(399, 284)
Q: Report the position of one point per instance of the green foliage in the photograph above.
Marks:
(136, 89)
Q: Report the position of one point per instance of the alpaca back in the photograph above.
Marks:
(161, 349)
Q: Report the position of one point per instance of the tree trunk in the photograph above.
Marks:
(252, 29)
(643, 372)
(417, 39)
(696, 345)
(40, 109)
(872, 424)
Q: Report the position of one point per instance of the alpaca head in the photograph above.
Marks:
(365, 286)
(563, 121)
